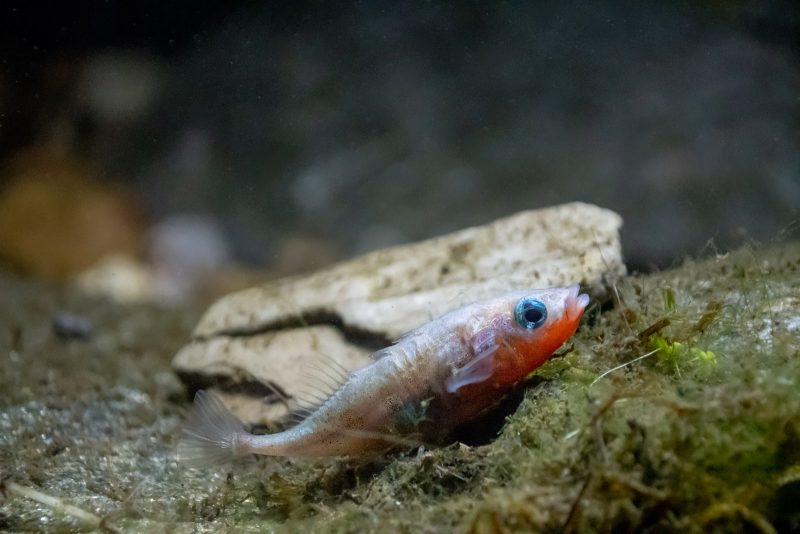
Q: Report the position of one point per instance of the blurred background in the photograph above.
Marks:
(168, 150)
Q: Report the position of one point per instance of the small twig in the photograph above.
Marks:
(635, 485)
(570, 525)
(712, 310)
(599, 441)
(642, 357)
(727, 510)
(446, 471)
(54, 503)
(654, 328)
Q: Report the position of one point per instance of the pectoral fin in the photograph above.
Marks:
(480, 368)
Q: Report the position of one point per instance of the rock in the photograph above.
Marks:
(258, 340)
(67, 325)
(119, 277)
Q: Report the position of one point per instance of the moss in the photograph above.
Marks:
(696, 429)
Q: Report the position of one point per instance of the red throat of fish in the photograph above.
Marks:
(517, 357)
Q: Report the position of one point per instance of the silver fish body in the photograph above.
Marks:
(418, 390)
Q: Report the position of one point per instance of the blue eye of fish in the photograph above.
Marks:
(530, 313)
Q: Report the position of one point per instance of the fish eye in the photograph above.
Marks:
(530, 313)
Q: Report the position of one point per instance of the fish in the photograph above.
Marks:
(418, 390)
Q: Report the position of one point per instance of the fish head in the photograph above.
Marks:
(525, 328)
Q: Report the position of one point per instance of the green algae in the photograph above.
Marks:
(701, 434)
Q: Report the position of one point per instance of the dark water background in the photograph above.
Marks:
(352, 126)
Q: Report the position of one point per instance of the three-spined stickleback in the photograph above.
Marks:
(432, 380)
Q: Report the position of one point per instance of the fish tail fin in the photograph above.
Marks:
(213, 435)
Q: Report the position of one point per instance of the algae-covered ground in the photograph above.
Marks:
(701, 432)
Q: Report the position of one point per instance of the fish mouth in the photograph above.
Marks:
(576, 302)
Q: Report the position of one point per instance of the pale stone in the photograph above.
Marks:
(119, 277)
(267, 334)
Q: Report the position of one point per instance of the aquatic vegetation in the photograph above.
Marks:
(703, 434)
(675, 352)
